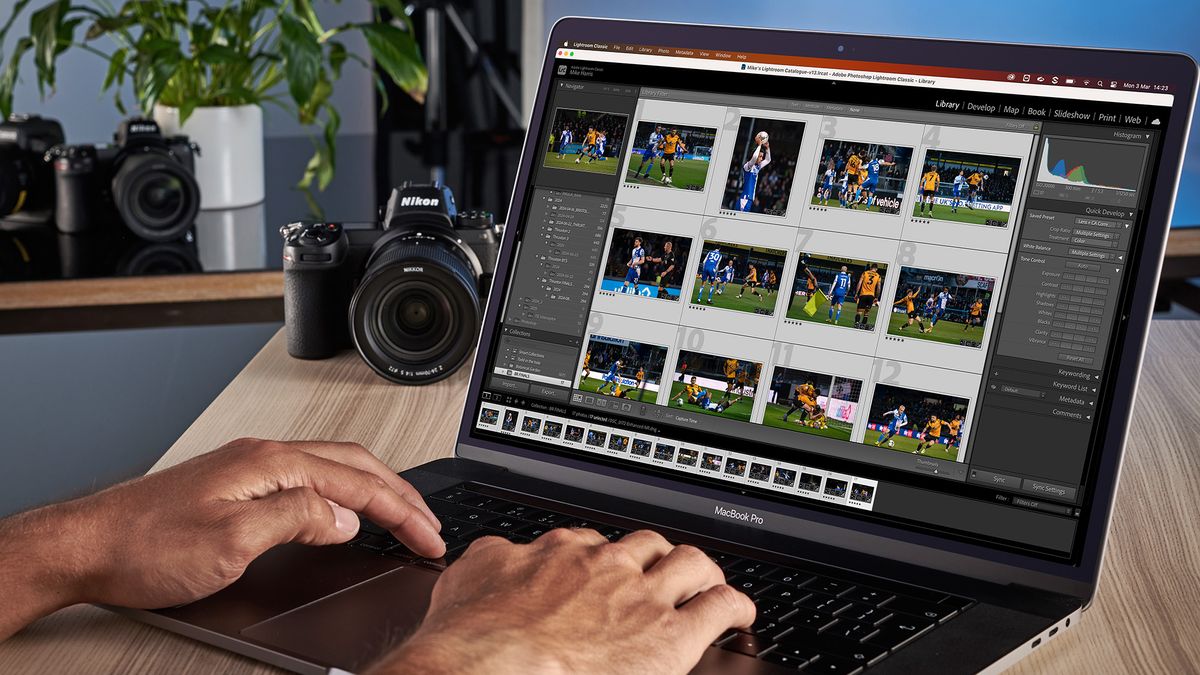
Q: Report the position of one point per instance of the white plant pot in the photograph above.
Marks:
(229, 167)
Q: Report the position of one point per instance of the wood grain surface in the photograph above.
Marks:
(141, 290)
(1143, 619)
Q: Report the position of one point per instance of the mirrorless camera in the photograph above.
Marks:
(407, 293)
(144, 180)
(26, 181)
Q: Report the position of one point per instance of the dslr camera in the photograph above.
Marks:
(26, 182)
(408, 293)
(144, 180)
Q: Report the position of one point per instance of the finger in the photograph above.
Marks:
(297, 515)
(365, 493)
(683, 573)
(646, 547)
(486, 542)
(711, 613)
(357, 456)
(571, 536)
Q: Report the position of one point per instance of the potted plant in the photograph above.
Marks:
(205, 69)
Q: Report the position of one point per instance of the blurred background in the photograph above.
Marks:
(132, 373)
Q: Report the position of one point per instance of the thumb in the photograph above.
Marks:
(302, 516)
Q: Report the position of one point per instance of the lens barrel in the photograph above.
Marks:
(416, 313)
(157, 197)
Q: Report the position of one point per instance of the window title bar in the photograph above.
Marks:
(937, 77)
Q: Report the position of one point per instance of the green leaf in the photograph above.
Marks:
(396, 52)
(116, 70)
(301, 58)
(337, 57)
(17, 8)
(43, 29)
(107, 24)
(8, 78)
(222, 54)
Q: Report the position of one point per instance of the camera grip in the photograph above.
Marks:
(315, 311)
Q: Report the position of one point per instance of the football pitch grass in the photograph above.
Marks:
(963, 215)
(909, 445)
(797, 313)
(690, 174)
(773, 417)
(738, 411)
(592, 384)
(728, 299)
(835, 204)
(947, 331)
(609, 165)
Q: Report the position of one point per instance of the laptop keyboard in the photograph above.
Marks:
(806, 618)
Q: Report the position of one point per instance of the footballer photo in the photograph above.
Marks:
(641, 447)
(861, 176)
(759, 472)
(715, 385)
(784, 477)
(735, 466)
(618, 443)
(489, 416)
(710, 462)
(582, 140)
(836, 291)
(664, 451)
(738, 277)
(642, 264)
(862, 493)
(763, 166)
(574, 434)
(966, 187)
(835, 487)
(531, 425)
(687, 457)
(622, 368)
(510, 421)
(815, 403)
(670, 155)
(941, 306)
(552, 429)
(596, 438)
(917, 422)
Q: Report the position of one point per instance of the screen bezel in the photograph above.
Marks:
(1176, 70)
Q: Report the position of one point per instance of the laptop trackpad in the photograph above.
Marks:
(352, 627)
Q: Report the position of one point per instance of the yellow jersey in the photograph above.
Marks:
(669, 143)
(693, 390)
(869, 283)
(590, 139)
(976, 307)
(853, 164)
(934, 427)
(975, 179)
(731, 367)
(930, 180)
(641, 375)
(954, 425)
(752, 275)
(587, 358)
(908, 302)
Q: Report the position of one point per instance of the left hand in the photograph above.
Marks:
(187, 532)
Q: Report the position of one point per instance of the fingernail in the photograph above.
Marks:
(345, 520)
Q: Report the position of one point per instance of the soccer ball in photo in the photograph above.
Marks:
(891, 443)
(760, 137)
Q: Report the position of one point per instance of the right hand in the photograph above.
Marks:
(572, 602)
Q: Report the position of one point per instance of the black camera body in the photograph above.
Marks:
(408, 293)
(26, 180)
(144, 180)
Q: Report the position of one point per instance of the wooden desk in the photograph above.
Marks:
(1142, 621)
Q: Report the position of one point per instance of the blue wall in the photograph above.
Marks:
(1152, 24)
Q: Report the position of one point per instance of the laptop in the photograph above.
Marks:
(860, 316)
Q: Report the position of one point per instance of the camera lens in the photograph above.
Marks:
(157, 197)
(155, 259)
(416, 313)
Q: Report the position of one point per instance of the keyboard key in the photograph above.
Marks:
(532, 531)
(446, 509)
(518, 511)
(794, 656)
(824, 603)
(551, 519)
(829, 644)
(810, 622)
(722, 559)
(786, 594)
(458, 530)
(898, 631)
(827, 585)
(504, 524)
(867, 596)
(769, 607)
(866, 614)
(612, 533)
(750, 645)
(770, 629)
(926, 610)
(856, 632)
(452, 495)
(474, 517)
(375, 543)
(957, 603)
(748, 585)
(480, 502)
(832, 665)
(402, 552)
(783, 575)
(751, 568)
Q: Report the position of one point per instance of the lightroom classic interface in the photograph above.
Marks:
(889, 295)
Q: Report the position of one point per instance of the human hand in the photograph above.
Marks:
(188, 531)
(572, 602)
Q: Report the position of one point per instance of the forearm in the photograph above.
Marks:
(41, 564)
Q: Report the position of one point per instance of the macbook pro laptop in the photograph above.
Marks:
(860, 316)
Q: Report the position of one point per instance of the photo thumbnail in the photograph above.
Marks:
(622, 368)
(645, 264)
(670, 155)
(815, 403)
(837, 291)
(915, 421)
(941, 306)
(715, 385)
(862, 176)
(582, 140)
(967, 187)
(739, 277)
(763, 166)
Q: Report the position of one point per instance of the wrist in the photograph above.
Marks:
(438, 650)
(43, 563)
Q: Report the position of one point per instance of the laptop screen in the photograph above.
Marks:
(890, 292)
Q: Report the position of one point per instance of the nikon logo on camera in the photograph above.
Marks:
(419, 201)
(414, 268)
